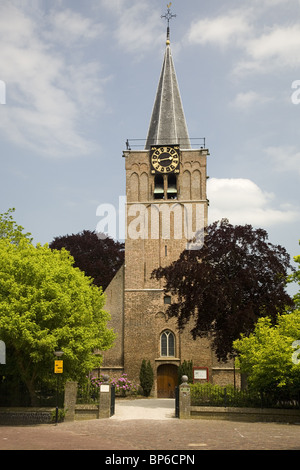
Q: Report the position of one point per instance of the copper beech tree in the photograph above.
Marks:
(99, 257)
(224, 287)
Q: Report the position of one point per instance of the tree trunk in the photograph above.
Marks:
(33, 396)
(29, 382)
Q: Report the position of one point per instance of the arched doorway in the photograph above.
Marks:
(167, 380)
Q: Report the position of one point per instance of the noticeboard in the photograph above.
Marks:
(200, 374)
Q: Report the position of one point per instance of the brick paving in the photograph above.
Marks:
(164, 433)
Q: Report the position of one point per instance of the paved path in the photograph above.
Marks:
(145, 408)
(148, 425)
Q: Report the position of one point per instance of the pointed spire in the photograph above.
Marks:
(167, 124)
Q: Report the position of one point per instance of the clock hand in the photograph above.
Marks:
(163, 159)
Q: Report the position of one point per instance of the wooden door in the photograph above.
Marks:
(166, 381)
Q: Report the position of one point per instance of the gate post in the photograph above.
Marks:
(70, 400)
(184, 398)
(112, 399)
(104, 398)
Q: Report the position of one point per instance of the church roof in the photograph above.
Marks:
(167, 124)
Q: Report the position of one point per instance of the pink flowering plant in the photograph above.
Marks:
(123, 385)
(88, 392)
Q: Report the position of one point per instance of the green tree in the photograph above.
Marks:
(268, 355)
(295, 277)
(10, 229)
(146, 377)
(46, 304)
(186, 368)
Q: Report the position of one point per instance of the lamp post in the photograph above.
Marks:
(58, 369)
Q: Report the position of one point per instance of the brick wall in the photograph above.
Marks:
(25, 416)
(135, 301)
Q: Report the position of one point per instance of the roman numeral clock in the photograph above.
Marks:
(164, 159)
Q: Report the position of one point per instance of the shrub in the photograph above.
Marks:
(186, 368)
(88, 391)
(123, 385)
(146, 377)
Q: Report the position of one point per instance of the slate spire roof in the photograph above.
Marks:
(167, 124)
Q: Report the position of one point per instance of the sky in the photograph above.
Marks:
(78, 78)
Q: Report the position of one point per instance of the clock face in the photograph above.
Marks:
(165, 159)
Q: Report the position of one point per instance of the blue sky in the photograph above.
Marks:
(81, 78)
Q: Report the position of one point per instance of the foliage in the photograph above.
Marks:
(124, 385)
(270, 355)
(146, 377)
(61, 415)
(186, 368)
(224, 287)
(9, 229)
(46, 304)
(266, 356)
(295, 277)
(88, 389)
(99, 258)
(215, 395)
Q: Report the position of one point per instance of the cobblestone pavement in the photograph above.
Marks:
(129, 430)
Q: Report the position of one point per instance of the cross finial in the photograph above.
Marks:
(168, 16)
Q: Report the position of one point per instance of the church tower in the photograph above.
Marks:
(166, 211)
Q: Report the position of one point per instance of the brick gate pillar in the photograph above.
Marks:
(104, 398)
(70, 400)
(184, 399)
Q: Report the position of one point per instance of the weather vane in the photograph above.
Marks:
(168, 16)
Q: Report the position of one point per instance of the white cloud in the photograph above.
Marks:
(243, 202)
(284, 158)
(276, 48)
(222, 30)
(45, 101)
(68, 26)
(137, 24)
(246, 100)
(263, 47)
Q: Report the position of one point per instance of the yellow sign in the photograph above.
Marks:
(58, 367)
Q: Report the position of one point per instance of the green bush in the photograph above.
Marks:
(146, 377)
(215, 395)
(186, 368)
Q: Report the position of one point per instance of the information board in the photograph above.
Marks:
(200, 374)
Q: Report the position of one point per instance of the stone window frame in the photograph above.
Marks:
(168, 348)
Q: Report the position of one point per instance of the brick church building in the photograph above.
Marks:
(166, 202)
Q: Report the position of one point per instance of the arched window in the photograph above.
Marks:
(159, 191)
(172, 186)
(167, 344)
